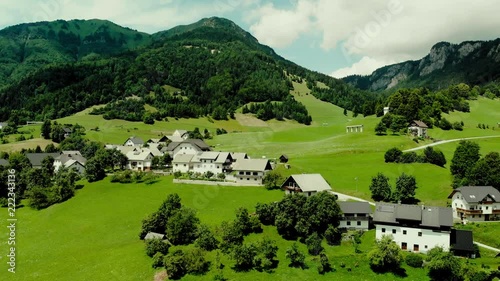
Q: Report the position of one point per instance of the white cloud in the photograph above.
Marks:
(363, 67)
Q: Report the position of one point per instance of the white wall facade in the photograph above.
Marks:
(140, 165)
(207, 165)
(249, 177)
(477, 212)
(185, 148)
(354, 224)
(425, 239)
(180, 167)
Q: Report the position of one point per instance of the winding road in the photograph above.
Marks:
(447, 141)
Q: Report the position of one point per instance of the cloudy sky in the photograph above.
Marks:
(336, 37)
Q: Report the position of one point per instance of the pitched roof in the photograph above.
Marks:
(153, 141)
(462, 240)
(135, 140)
(349, 207)
(427, 216)
(72, 162)
(420, 124)
(68, 157)
(475, 194)
(139, 155)
(67, 130)
(284, 156)
(37, 158)
(308, 182)
(4, 124)
(183, 158)
(196, 142)
(256, 165)
(4, 162)
(222, 157)
(179, 133)
(239, 155)
(154, 235)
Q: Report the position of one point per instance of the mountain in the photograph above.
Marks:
(470, 62)
(218, 66)
(25, 48)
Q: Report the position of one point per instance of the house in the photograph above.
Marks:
(163, 140)
(418, 129)
(386, 110)
(3, 125)
(182, 163)
(462, 243)
(239, 156)
(475, 203)
(188, 146)
(250, 170)
(414, 228)
(67, 132)
(134, 141)
(4, 162)
(139, 159)
(154, 235)
(37, 158)
(355, 215)
(307, 184)
(215, 162)
(179, 136)
(70, 160)
(153, 147)
(283, 158)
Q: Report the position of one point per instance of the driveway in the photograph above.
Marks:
(447, 141)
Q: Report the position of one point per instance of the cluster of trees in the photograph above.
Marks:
(430, 155)
(403, 192)
(289, 109)
(469, 168)
(55, 131)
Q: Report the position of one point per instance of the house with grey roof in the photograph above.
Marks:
(215, 162)
(139, 159)
(37, 158)
(355, 215)
(134, 141)
(71, 160)
(188, 146)
(67, 132)
(250, 171)
(4, 162)
(414, 228)
(182, 163)
(475, 203)
(307, 184)
(418, 129)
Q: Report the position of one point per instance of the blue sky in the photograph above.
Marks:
(336, 37)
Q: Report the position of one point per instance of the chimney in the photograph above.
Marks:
(423, 207)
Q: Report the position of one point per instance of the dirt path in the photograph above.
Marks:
(447, 141)
(487, 247)
(345, 197)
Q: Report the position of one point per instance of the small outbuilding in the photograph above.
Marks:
(462, 243)
(306, 184)
(154, 235)
(418, 129)
(283, 158)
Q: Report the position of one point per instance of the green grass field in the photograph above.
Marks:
(94, 236)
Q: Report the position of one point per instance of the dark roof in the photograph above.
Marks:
(4, 124)
(284, 156)
(475, 194)
(37, 158)
(4, 162)
(461, 240)
(67, 157)
(196, 142)
(67, 130)
(426, 216)
(135, 140)
(419, 124)
(355, 207)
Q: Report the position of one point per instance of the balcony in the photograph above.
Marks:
(470, 212)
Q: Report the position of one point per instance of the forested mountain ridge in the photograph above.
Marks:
(470, 62)
(218, 65)
(24, 48)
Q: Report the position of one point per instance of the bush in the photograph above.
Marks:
(266, 213)
(445, 124)
(457, 126)
(333, 235)
(177, 174)
(313, 243)
(295, 256)
(325, 265)
(175, 265)
(154, 246)
(414, 260)
(158, 260)
(206, 239)
(408, 157)
(195, 262)
(393, 155)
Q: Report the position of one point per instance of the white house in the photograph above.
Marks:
(134, 141)
(307, 184)
(475, 203)
(71, 160)
(215, 162)
(3, 125)
(139, 159)
(250, 171)
(355, 215)
(37, 158)
(182, 163)
(189, 146)
(414, 228)
(418, 129)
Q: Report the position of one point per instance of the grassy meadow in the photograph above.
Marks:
(94, 236)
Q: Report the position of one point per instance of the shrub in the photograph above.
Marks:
(266, 213)
(457, 126)
(445, 124)
(175, 265)
(333, 235)
(154, 246)
(177, 174)
(408, 157)
(325, 265)
(195, 262)
(158, 260)
(414, 260)
(313, 243)
(206, 239)
(393, 155)
(295, 256)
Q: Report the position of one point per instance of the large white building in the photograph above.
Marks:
(215, 162)
(414, 228)
(249, 171)
(188, 146)
(475, 203)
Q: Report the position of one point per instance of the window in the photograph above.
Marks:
(241, 179)
(383, 230)
(486, 208)
(248, 173)
(479, 215)
(420, 234)
(358, 223)
(473, 216)
(217, 166)
(176, 165)
(348, 223)
(184, 165)
(404, 232)
(404, 246)
(456, 204)
(248, 179)
(415, 247)
(254, 173)
(394, 231)
(425, 246)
